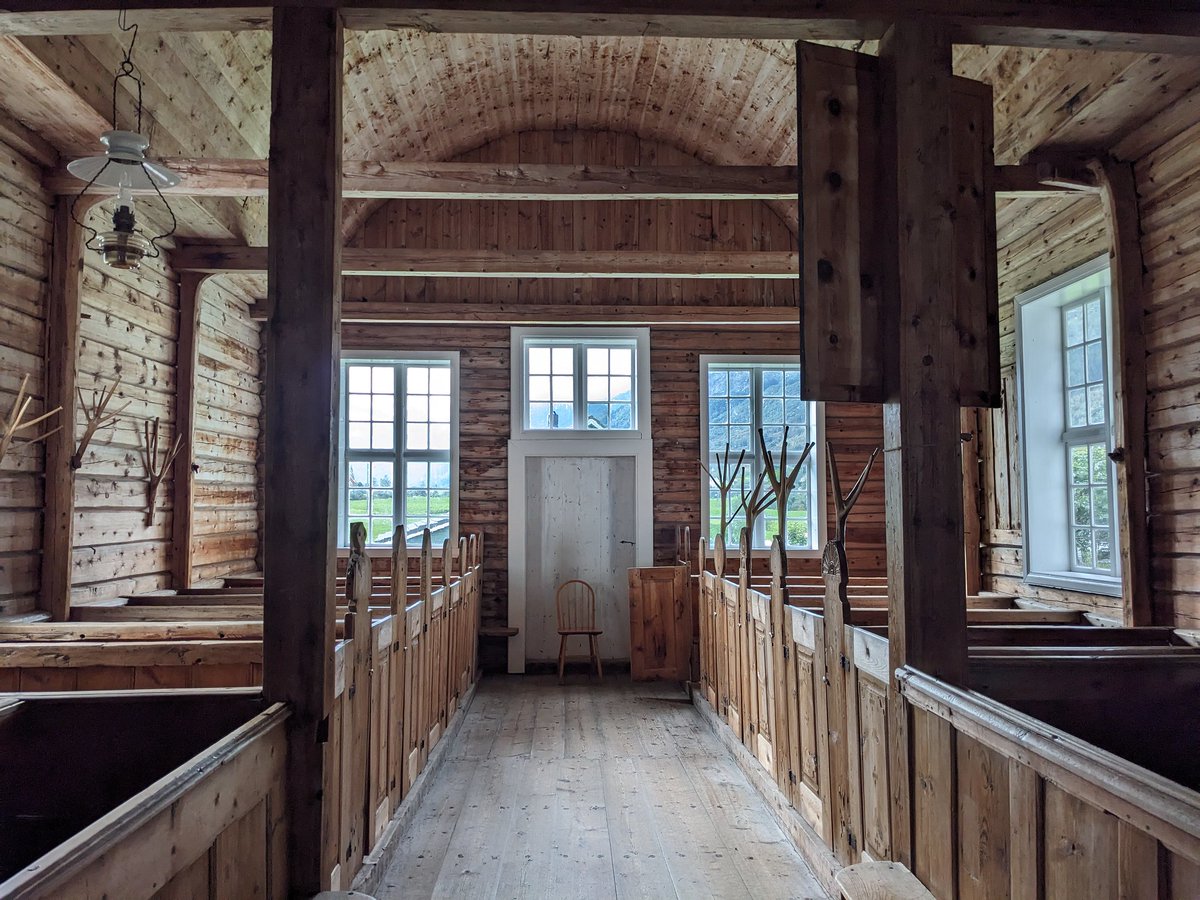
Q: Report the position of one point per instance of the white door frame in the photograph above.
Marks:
(642, 452)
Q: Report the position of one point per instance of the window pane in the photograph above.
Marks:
(621, 361)
(1095, 361)
(1093, 320)
(563, 389)
(359, 378)
(597, 388)
(1100, 505)
(416, 505)
(739, 437)
(417, 437)
(621, 415)
(1077, 407)
(439, 380)
(718, 383)
(1103, 543)
(1079, 465)
(359, 408)
(383, 407)
(381, 474)
(358, 474)
(773, 436)
(597, 415)
(383, 379)
(597, 361)
(1074, 325)
(1095, 404)
(772, 383)
(439, 504)
(356, 502)
(1075, 372)
(439, 408)
(439, 475)
(740, 412)
(383, 436)
(772, 411)
(1099, 464)
(621, 388)
(539, 388)
(417, 474)
(381, 503)
(797, 412)
(359, 436)
(381, 531)
(563, 360)
(562, 416)
(417, 408)
(439, 436)
(718, 437)
(1081, 506)
(539, 415)
(791, 382)
(539, 360)
(1083, 547)
(739, 383)
(718, 412)
(418, 380)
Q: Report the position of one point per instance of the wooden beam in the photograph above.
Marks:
(37, 97)
(1045, 177)
(389, 262)
(62, 357)
(1118, 193)
(184, 474)
(927, 620)
(1160, 26)
(548, 314)
(304, 286)
(485, 181)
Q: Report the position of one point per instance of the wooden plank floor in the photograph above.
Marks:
(591, 791)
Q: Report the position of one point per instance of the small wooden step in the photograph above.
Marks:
(880, 881)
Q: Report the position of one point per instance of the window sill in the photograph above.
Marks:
(1075, 581)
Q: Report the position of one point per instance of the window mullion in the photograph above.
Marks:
(400, 498)
(580, 382)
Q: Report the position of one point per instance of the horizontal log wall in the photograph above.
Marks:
(225, 516)
(25, 229)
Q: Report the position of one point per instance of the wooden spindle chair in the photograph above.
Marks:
(576, 602)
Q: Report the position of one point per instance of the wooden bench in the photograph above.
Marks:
(880, 881)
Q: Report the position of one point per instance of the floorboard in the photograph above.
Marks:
(591, 791)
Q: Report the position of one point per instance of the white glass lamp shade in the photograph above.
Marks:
(125, 156)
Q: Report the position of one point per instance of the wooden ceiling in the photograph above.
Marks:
(413, 95)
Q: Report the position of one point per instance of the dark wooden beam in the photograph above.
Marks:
(62, 360)
(403, 263)
(1160, 26)
(485, 181)
(303, 345)
(184, 473)
(927, 620)
(549, 314)
(1118, 193)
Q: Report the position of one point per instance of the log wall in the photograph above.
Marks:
(25, 228)
(225, 516)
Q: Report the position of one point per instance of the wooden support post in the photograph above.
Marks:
(62, 358)
(927, 623)
(304, 287)
(972, 524)
(187, 362)
(1118, 192)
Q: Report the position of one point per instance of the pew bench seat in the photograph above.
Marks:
(880, 881)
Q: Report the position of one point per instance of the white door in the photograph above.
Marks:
(580, 522)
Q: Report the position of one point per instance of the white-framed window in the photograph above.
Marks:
(570, 380)
(399, 447)
(739, 395)
(1064, 361)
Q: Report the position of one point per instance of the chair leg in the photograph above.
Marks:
(596, 657)
(562, 656)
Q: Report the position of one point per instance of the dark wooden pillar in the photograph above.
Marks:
(184, 474)
(927, 622)
(303, 344)
(62, 369)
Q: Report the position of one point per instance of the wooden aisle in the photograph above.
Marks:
(591, 791)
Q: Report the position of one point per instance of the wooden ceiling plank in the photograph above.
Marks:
(486, 181)
(511, 263)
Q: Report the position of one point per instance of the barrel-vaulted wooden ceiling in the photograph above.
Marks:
(412, 95)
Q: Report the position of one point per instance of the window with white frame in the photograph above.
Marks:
(740, 395)
(580, 384)
(398, 449)
(1070, 527)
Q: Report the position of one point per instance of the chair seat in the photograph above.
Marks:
(581, 631)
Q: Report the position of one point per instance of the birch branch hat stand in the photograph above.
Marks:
(15, 421)
(724, 480)
(833, 559)
(95, 417)
(782, 481)
(155, 471)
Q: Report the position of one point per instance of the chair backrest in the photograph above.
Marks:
(576, 602)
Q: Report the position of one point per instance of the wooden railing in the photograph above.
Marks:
(977, 798)
(405, 664)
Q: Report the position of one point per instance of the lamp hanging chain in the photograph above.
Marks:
(127, 69)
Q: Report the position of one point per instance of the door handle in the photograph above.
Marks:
(630, 543)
